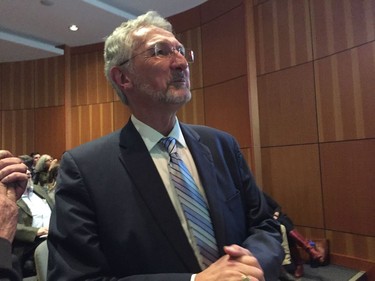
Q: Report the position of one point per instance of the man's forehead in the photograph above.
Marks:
(151, 34)
(143, 31)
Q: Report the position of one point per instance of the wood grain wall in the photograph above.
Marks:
(292, 80)
(316, 90)
(32, 106)
(220, 77)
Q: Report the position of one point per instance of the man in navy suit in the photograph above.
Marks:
(117, 215)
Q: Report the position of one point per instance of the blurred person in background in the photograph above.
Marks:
(34, 212)
(42, 167)
(52, 180)
(35, 156)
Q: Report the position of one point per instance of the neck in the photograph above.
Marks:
(163, 123)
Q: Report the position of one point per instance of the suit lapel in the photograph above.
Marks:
(207, 172)
(141, 168)
(22, 205)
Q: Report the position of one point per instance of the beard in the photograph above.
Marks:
(173, 94)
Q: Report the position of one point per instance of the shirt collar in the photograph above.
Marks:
(28, 190)
(151, 137)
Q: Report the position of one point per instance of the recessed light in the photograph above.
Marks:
(73, 27)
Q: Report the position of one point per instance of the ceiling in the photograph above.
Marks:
(33, 29)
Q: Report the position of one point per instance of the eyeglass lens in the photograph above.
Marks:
(163, 50)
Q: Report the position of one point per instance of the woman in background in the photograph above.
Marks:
(52, 176)
(42, 167)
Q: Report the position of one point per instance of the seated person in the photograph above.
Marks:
(35, 156)
(34, 211)
(52, 177)
(44, 164)
(28, 161)
(295, 238)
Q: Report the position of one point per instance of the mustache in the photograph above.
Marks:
(178, 76)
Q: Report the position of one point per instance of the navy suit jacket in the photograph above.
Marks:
(113, 219)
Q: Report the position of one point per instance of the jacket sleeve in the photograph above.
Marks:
(240, 210)
(264, 238)
(6, 271)
(25, 233)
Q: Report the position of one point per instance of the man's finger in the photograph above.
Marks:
(5, 154)
(236, 251)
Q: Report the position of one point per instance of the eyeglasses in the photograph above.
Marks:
(164, 50)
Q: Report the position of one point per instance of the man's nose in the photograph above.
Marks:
(179, 61)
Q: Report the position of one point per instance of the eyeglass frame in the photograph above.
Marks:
(180, 49)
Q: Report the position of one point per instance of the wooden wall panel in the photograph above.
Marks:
(252, 91)
(287, 107)
(192, 39)
(248, 154)
(312, 233)
(88, 83)
(338, 25)
(349, 244)
(49, 131)
(215, 8)
(91, 121)
(226, 107)
(193, 112)
(224, 53)
(186, 21)
(49, 82)
(291, 175)
(283, 34)
(121, 114)
(257, 2)
(348, 180)
(17, 131)
(334, 116)
(345, 94)
(17, 85)
(3, 68)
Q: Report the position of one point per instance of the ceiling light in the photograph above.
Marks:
(73, 27)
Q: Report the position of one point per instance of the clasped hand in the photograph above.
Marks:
(13, 181)
(237, 264)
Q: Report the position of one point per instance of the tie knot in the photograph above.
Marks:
(169, 144)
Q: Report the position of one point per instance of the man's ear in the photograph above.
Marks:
(121, 78)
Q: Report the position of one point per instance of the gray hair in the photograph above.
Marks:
(119, 45)
(41, 165)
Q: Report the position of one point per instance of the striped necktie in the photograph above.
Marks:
(193, 204)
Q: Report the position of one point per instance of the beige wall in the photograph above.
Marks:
(292, 80)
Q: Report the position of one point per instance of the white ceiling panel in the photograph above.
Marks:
(31, 30)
